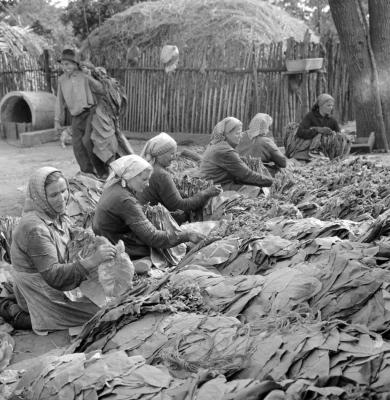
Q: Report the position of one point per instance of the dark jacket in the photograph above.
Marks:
(162, 189)
(222, 164)
(119, 216)
(261, 147)
(307, 131)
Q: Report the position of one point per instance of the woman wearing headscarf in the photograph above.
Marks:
(316, 122)
(119, 214)
(160, 151)
(221, 162)
(255, 142)
(38, 253)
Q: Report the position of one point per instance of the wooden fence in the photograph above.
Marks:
(26, 73)
(209, 85)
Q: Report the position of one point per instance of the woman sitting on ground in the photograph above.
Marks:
(38, 253)
(160, 151)
(316, 122)
(255, 142)
(221, 162)
(119, 214)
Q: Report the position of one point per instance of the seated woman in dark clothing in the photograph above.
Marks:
(255, 143)
(160, 151)
(317, 122)
(42, 274)
(119, 214)
(221, 162)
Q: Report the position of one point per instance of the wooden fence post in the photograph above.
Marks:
(47, 69)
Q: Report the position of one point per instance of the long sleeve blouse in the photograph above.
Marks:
(312, 120)
(38, 247)
(261, 147)
(120, 214)
(162, 189)
(222, 164)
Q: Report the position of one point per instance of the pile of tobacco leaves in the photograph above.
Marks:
(288, 298)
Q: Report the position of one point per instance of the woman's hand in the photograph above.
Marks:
(195, 237)
(324, 131)
(214, 190)
(105, 252)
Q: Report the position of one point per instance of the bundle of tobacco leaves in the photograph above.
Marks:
(190, 186)
(256, 165)
(161, 218)
(7, 225)
(335, 145)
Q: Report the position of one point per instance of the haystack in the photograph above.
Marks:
(196, 23)
(18, 41)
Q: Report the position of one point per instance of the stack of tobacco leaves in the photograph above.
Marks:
(311, 228)
(309, 350)
(101, 376)
(186, 343)
(352, 189)
(85, 192)
(353, 292)
(213, 292)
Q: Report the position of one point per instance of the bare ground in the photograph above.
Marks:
(17, 164)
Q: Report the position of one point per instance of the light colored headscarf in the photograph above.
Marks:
(259, 126)
(125, 168)
(36, 199)
(323, 98)
(222, 128)
(157, 146)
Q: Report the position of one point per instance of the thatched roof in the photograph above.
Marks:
(18, 41)
(192, 23)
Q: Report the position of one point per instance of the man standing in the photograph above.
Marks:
(77, 91)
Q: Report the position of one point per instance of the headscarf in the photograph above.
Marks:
(36, 193)
(222, 128)
(323, 98)
(125, 168)
(157, 146)
(259, 126)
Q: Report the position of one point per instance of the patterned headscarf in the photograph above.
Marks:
(222, 128)
(259, 126)
(157, 146)
(36, 193)
(323, 98)
(125, 168)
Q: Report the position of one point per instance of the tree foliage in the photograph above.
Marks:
(42, 17)
(86, 15)
(316, 13)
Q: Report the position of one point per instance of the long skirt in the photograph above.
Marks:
(49, 308)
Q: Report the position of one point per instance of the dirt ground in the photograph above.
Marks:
(17, 163)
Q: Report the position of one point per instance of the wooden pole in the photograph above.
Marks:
(47, 69)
